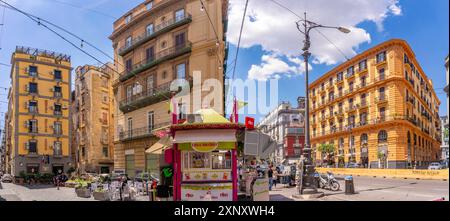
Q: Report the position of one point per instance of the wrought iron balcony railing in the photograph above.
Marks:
(158, 58)
(164, 27)
(140, 132)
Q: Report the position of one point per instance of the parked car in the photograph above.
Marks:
(353, 165)
(7, 178)
(435, 166)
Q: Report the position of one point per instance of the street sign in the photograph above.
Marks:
(250, 123)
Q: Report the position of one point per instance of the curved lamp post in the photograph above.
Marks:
(307, 184)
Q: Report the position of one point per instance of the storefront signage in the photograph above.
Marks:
(207, 176)
(250, 123)
(207, 192)
(204, 147)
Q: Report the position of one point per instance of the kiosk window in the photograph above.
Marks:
(221, 160)
(199, 160)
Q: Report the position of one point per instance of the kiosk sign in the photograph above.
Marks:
(205, 147)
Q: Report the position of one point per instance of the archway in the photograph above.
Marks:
(382, 149)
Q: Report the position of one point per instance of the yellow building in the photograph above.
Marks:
(154, 44)
(39, 111)
(93, 123)
(378, 109)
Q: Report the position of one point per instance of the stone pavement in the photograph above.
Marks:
(377, 189)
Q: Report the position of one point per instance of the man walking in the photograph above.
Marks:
(270, 175)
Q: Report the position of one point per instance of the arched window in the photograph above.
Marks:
(409, 137)
(382, 136)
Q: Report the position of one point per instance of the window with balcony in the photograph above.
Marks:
(150, 29)
(381, 57)
(331, 96)
(381, 94)
(330, 81)
(363, 81)
(363, 119)
(323, 100)
(32, 126)
(57, 75)
(382, 136)
(32, 106)
(331, 110)
(57, 91)
(128, 41)
(179, 15)
(351, 121)
(128, 19)
(150, 84)
(31, 146)
(129, 65)
(363, 100)
(181, 71)
(340, 76)
(382, 111)
(151, 121)
(32, 88)
(149, 5)
(362, 65)
(57, 128)
(350, 86)
(340, 105)
(340, 91)
(322, 86)
(130, 127)
(57, 148)
(57, 109)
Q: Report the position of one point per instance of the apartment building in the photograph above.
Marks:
(156, 43)
(93, 116)
(446, 87)
(39, 111)
(286, 126)
(378, 109)
(444, 136)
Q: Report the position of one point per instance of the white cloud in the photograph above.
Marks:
(273, 28)
(272, 67)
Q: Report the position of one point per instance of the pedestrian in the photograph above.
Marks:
(58, 179)
(275, 177)
(270, 175)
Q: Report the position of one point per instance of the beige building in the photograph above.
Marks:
(38, 113)
(155, 43)
(378, 109)
(93, 119)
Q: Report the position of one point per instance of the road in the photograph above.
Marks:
(377, 189)
(367, 189)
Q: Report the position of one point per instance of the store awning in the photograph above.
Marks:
(203, 136)
(160, 146)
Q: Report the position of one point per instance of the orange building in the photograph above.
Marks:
(378, 109)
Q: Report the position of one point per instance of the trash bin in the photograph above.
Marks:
(349, 185)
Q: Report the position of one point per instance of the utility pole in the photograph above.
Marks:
(308, 185)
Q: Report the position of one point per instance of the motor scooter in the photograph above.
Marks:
(328, 182)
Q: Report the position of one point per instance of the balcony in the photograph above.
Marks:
(351, 108)
(160, 57)
(382, 77)
(381, 99)
(148, 97)
(159, 29)
(140, 132)
(363, 104)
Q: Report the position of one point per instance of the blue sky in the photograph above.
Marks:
(424, 24)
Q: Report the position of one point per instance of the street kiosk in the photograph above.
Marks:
(205, 158)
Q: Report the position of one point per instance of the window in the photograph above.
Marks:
(150, 121)
(105, 151)
(32, 88)
(130, 127)
(128, 41)
(221, 160)
(382, 94)
(149, 29)
(33, 107)
(57, 109)
(128, 65)
(32, 146)
(149, 6)
(32, 126)
(57, 74)
(362, 65)
(340, 76)
(83, 151)
(128, 19)
(363, 119)
(381, 57)
(196, 160)
(331, 81)
(105, 118)
(150, 54)
(180, 41)
(382, 136)
(179, 15)
(381, 73)
(57, 128)
(57, 91)
(164, 75)
(383, 114)
(363, 81)
(350, 71)
(350, 85)
(33, 168)
(129, 92)
(32, 71)
(181, 71)
(57, 150)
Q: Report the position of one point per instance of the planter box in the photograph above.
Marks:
(102, 196)
(83, 193)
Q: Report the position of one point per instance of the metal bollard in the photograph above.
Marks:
(349, 185)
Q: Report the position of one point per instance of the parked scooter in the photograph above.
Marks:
(328, 182)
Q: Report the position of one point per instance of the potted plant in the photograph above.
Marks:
(82, 190)
(101, 194)
(21, 178)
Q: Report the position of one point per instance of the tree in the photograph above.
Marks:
(327, 149)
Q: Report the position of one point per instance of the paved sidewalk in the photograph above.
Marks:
(377, 189)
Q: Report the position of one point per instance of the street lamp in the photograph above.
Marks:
(307, 182)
